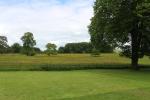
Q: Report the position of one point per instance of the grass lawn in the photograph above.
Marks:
(72, 85)
(22, 62)
(75, 85)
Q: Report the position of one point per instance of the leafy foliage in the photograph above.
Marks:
(120, 22)
(28, 44)
(126, 51)
(51, 49)
(16, 48)
(37, 50)
(61, 49)
(82, 47)
(3, 44)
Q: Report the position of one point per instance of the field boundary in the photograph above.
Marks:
(68, 67)
(63, 67)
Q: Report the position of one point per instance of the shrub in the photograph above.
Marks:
(51, 49)
(95, 52)
(49, 53)
(28, 52)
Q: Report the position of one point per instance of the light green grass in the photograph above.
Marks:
(75, 85)
(12, 60)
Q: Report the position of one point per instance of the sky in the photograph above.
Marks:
(54, 21)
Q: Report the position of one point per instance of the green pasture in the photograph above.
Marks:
(75, 85)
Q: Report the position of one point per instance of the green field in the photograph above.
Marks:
(75, 85)
(96, 84)
(64, 61)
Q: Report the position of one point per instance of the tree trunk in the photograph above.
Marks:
(135, 62)
(135, 48)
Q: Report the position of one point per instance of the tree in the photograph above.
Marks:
(16, 48)
(81, 47)
(3, 44)
(121, 22)
(61, 50)
(100, 43)
(28, 44)
(51, 49)
(37, 50)
(84, 47)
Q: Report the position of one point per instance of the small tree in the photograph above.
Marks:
(37, 50)
(61, 50)
(51, 49)
(3, 44)
(28, 44)
(16, 48)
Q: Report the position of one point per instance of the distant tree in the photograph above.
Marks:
(85, 47)
(61, 50)
(28, 44)
(51, 49)
(121, 22)
(37, 50)
(16, 48)
(3, 44)
(82, 47)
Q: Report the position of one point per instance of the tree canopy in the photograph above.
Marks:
(82, 47)
(124, 24)
(28, 44)
(51, 49)
(3, 44)
(16, 48)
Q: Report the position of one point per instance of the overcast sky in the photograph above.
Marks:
(55, 21)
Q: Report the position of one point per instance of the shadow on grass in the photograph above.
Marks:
(67, 67)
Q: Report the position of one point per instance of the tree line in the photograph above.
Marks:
(29, 47)
(84, 47)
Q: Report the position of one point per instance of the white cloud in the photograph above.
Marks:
(49, 21)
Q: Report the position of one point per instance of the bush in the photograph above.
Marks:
(49, 53)
(28, 52)
(51, 49)
(31, 54)
(95, 52)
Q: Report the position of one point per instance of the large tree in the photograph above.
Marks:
(123, 23)
(28, 44)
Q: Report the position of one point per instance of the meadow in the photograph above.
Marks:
(65, 62)
(97, 82)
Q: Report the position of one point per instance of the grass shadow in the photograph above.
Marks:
(68, 67)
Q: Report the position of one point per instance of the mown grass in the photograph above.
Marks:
(75, 85)
(72, 85)
(65, 62)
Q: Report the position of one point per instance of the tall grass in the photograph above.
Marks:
(65, 62)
